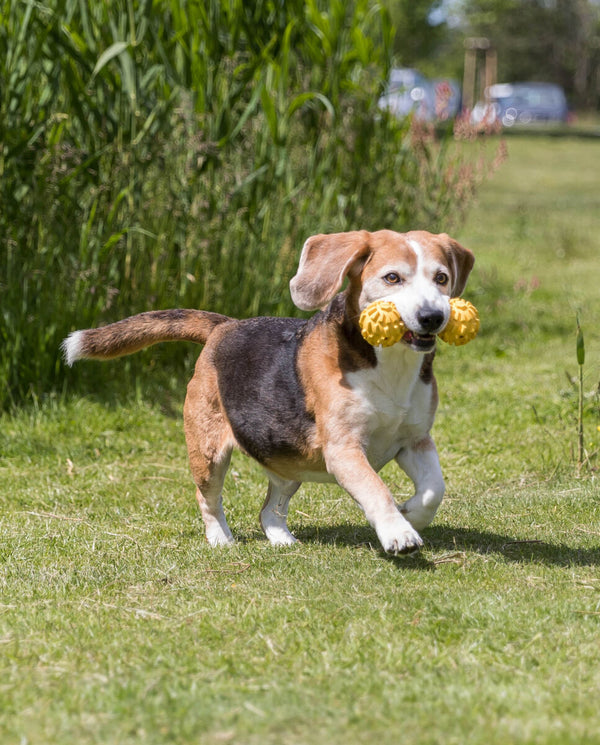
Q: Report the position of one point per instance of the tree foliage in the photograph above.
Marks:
(551, 40)
(417, 37)
(548, 40)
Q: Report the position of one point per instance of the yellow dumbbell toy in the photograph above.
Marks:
(381, 325)
(463, 324)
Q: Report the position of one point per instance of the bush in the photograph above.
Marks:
(159, 154)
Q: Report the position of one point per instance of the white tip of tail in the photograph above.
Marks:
(71, 347)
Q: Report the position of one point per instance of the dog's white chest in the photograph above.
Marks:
(392, 406)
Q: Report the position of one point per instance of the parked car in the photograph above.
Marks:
(522, 103)
(409, 91)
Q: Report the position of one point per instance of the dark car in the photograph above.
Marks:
(523, 103)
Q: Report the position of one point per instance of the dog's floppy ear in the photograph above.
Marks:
(324, 263)
(460, 260)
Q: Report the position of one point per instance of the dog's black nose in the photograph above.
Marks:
(430, 320)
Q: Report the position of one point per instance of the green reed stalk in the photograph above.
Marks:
(580, 349)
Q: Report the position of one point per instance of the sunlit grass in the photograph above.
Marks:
(119, 625)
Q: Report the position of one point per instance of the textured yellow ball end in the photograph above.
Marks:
(463, 324)
(381, 325)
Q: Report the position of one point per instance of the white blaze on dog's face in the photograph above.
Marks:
(419, 274)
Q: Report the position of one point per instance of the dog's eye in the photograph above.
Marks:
(442, 278)
(392, 278)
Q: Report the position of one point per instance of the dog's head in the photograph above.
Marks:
(418, 271)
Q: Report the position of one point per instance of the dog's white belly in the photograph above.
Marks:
(319, 477)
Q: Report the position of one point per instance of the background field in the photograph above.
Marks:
(119, 625)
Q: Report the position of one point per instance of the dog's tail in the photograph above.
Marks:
(134, 333)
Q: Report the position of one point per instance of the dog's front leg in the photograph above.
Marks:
(422, 465)
(353, 472)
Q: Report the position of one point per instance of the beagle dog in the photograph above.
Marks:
(311, 400)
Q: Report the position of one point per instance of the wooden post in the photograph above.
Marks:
(491, 67)
(469, 78)
(475, 79)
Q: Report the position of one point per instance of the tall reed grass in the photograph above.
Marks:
(158, 153)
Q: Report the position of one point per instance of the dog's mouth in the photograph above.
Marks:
(419, 342)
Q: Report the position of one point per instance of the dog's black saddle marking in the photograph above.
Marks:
(260, 387)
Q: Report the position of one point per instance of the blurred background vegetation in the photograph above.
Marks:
(555, 41)
(156, 153)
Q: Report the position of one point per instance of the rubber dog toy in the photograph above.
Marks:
(381, 325)
(463, 325)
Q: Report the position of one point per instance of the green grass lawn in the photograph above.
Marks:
(118, 624)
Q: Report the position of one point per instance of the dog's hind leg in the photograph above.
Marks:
(273, 515)
(209, 485)
(210, 442)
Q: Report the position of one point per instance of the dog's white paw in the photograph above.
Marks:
(399, 538)
(216, 536)
(279, 536)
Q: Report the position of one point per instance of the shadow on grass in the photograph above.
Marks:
(454, 542)
(535, 551)
(358, 536)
